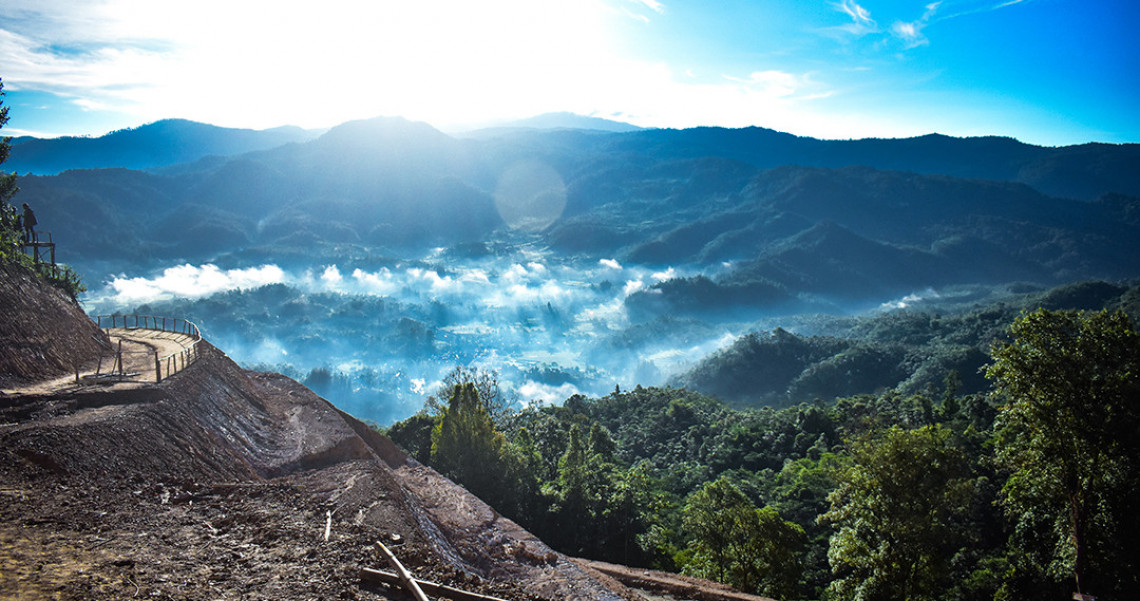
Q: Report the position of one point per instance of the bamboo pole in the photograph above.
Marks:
(405, 577)
(439, 590)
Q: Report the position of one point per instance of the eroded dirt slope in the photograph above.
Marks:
(42, 332)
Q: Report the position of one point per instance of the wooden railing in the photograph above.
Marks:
(35, 247)
(176, 325)
(173, 363)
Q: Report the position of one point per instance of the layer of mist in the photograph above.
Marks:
(378, 341)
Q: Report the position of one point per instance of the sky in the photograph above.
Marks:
(1049, 72)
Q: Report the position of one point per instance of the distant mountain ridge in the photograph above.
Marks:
(158, 144)
(1083, 171)
(862, 219)
(563, 120)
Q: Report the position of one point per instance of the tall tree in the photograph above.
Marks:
(497, 402)
(1069, 433)
(896, 511)
(466, 446)
(7, 180)
(710, 516)
(734, 542)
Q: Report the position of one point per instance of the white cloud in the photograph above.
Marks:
(191, 281)
(609, 263)
(331, 275)
(910, 33)
(474, 276)
(634, 13)
(437, 284)
(773, 83)
(532, 391)
(653, 4)
(861, 21)
(267, 351)
(635, 16)
(380, 282)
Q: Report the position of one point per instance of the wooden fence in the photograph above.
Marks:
(164, 367)
(175, 325)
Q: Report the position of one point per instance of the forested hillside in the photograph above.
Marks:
(1007, 493)
(910, 350)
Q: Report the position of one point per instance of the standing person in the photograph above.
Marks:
(29, 225)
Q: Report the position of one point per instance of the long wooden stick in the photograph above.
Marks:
(405, 577)
(431, 587)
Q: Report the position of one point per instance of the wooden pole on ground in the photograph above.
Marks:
(431, 587)
(405, 577)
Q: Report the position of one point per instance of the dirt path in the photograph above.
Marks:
(138, 346)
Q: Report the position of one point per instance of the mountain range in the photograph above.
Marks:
(848, 220)
(569, 260)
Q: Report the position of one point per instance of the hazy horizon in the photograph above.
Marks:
(1053, 72)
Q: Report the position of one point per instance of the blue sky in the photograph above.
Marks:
(1049, 72)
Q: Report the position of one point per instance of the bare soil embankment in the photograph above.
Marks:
(43, 333)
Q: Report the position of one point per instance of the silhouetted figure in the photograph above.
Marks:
(29, 225)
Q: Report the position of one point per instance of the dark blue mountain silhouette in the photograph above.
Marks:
(158, 144)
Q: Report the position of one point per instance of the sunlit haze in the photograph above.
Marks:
(1045, 71)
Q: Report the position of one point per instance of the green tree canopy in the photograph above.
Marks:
(7, 180)
(734, 542)
(896, 510)
(1069, 434)
(466, 447)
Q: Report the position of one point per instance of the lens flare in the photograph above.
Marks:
(530, 196)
